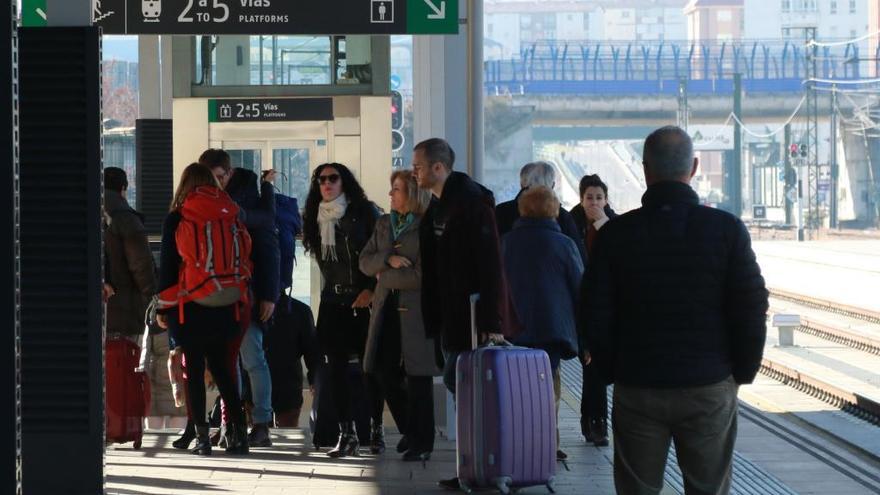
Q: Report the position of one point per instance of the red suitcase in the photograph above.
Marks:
(126, 392)
(506, 418)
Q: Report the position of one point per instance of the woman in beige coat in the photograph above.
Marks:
(397, 349)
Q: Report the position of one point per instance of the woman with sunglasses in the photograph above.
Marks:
(338, 222)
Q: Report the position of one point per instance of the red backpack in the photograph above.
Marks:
(215, 248)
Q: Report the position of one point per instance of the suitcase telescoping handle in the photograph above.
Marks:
(475, 334)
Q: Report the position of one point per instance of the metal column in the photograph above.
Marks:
(834, 166)
(736, 202)
(11, 349)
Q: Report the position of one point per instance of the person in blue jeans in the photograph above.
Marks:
(258, 207)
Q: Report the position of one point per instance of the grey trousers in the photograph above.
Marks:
(700, 420)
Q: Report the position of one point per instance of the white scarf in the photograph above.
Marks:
(329, 213)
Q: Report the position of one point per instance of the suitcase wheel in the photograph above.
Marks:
(551, 486)
(503, 485)
(137, 444)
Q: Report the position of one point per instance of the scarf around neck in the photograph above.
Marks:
(399, 223)
(329, 213)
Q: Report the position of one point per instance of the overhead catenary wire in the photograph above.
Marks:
(779, 129)
(843, 43)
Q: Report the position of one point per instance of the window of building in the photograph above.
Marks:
(833, 6)
(625, 14)
(724, 15)
(852, 6)
(786, 5)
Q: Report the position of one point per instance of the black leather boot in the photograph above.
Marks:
(203, 441)
(348, 441)
(599, 432)
(259, 436)
(377, 438)
(237, 439)
(186, 438)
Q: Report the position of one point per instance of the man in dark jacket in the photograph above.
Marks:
(258, 210)
(460, 254)
(531, 175)
(129, 264)
(674, 309)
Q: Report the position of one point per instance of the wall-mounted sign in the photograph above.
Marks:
(269, 16)
(270, 110)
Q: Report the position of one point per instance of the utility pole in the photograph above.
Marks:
(683, 111)
(736, 172)
(834, 170)
(812, 178)
(789, 177)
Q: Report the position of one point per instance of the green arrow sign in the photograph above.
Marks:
(33, 13)
(432, 16)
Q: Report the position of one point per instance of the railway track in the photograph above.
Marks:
(815, 384)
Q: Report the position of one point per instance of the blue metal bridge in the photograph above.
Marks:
(658, 67)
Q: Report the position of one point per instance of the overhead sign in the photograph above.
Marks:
(273, 16)
(270, 110)
(711, 137)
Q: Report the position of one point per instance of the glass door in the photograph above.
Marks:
(294, 162)
(245, 154)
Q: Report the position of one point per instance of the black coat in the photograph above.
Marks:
(507, 213)
(353, 231)
(673, 296)
(580, 219)
(464, 260)
(258, 214)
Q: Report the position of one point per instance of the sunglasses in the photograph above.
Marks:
(333, 178)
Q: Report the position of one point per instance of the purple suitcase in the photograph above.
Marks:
(506, 418)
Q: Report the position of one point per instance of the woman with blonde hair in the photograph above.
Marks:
(205, 322)
(398, 352)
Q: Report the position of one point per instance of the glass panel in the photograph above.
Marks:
(292, 165)
(263, 60)
(249, 159)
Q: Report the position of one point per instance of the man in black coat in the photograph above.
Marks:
(461, 255)
(674, 313)
(538, 174)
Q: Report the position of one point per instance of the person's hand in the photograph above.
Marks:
(175, 353)
(107, 292)
(596, 213)
(266, 310)
(363, 299)
(587, 358)
(162, 321)
(397, 261)
(495, 338)
(269, 176)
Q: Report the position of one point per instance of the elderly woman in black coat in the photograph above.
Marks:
(397, 349)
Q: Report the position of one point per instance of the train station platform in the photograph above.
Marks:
(777, 452)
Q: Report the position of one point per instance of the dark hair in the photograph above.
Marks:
(668, 153)
(213, 158)
(437, 150)
(115, 179)
(353, 191)
(592, 181)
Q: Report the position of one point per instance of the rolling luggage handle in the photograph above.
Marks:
(474, 298)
